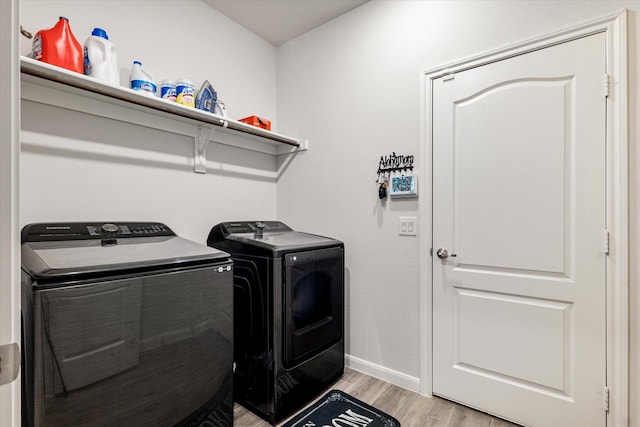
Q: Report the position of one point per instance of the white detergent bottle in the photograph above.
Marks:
(142, 80)
(100, 57)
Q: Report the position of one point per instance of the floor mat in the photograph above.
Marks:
(337, 408)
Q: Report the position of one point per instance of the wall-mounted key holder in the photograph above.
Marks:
(393, 179)
(395, 163)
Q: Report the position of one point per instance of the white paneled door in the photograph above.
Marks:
(519, 207)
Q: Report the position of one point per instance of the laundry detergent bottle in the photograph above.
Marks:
(142, 80)
(58, 46)
(100, 57)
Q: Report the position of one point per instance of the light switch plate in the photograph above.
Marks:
(408, 226)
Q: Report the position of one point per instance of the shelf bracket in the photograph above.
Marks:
(200, 143)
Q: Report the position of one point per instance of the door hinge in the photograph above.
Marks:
(606, 398)
(9, 362)
(607, 242)
(607, 85)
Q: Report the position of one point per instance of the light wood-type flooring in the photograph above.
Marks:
(410, 408)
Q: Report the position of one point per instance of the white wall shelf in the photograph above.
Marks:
(48, 84)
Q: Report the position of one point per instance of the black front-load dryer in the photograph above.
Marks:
(288, 314)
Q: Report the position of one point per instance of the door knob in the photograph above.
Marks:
(444, 254)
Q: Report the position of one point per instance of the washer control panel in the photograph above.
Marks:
(138, 229)
(87, 231)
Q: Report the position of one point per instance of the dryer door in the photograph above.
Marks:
(314, 303)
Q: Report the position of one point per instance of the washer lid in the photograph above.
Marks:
(56, 258)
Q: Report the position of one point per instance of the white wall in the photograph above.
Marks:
(76, 166)
(352, 87)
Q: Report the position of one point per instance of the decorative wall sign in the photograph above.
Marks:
(403, 186)
(395, 163)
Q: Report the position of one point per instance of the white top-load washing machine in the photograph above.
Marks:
(125, 324)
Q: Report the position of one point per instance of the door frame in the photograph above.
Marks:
(9, 201)
(617, 200)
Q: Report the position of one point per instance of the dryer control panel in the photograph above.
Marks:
(44, 232)
(251, 226)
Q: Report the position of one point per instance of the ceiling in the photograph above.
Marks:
(278, 21)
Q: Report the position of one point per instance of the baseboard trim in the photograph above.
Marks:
(385, 374)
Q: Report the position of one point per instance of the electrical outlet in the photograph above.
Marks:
(408, 226)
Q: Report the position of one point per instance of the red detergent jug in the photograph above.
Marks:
(58, 46)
